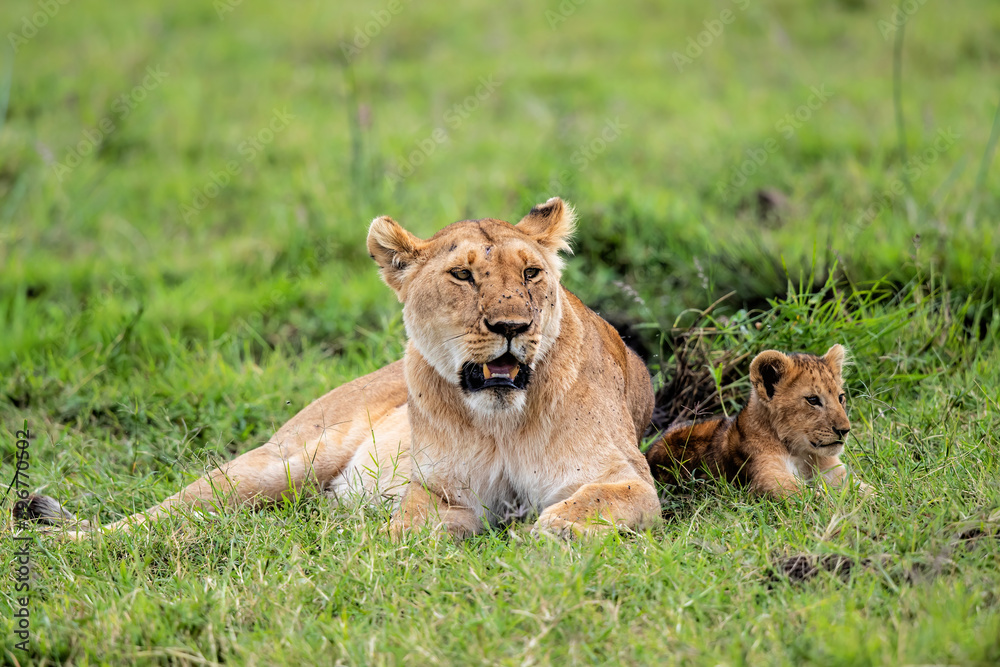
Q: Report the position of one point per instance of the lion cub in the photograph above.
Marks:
(791, 430)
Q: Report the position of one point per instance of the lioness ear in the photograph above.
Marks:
(550, 224)
(766, 371)
(394, 249)
(834, 358)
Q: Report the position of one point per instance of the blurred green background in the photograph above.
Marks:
(86, 246)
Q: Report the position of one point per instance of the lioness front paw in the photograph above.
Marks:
(557, 527)
(397, 528)
(566, 529)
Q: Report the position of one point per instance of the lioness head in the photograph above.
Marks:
(803, 397)
(481, 298)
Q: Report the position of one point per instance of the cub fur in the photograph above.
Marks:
(791, 430)
(513, 397)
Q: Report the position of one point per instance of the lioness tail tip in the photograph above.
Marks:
(42, 509)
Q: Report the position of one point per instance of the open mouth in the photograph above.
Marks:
(504, 372)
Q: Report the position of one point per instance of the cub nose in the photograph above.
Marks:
(841, 432)
(508, 328)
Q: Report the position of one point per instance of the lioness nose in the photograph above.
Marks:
(508, 329)
(842, 431)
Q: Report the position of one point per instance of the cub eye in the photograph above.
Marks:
(531, 273)
(462, 274)
(814, 400)
(842, 399)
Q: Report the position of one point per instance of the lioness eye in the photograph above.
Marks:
(462, 274)
(531, 273)
(814, 400)
(842, 398)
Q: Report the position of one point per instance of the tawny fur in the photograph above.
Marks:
(779, 440)
(565, 446)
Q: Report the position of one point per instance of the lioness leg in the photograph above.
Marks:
(269, 473)
(598, 507)
(421, 507)
(266, 474)
(309, 451)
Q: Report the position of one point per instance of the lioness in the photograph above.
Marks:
(512, 394)
(792, 428)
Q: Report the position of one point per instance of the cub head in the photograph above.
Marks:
(481, 298)
(803, 398)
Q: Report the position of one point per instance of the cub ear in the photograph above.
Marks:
(766, 371)
(550, 224)
(394, 249)
(834, 358)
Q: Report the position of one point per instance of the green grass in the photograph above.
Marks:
(143, 343)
